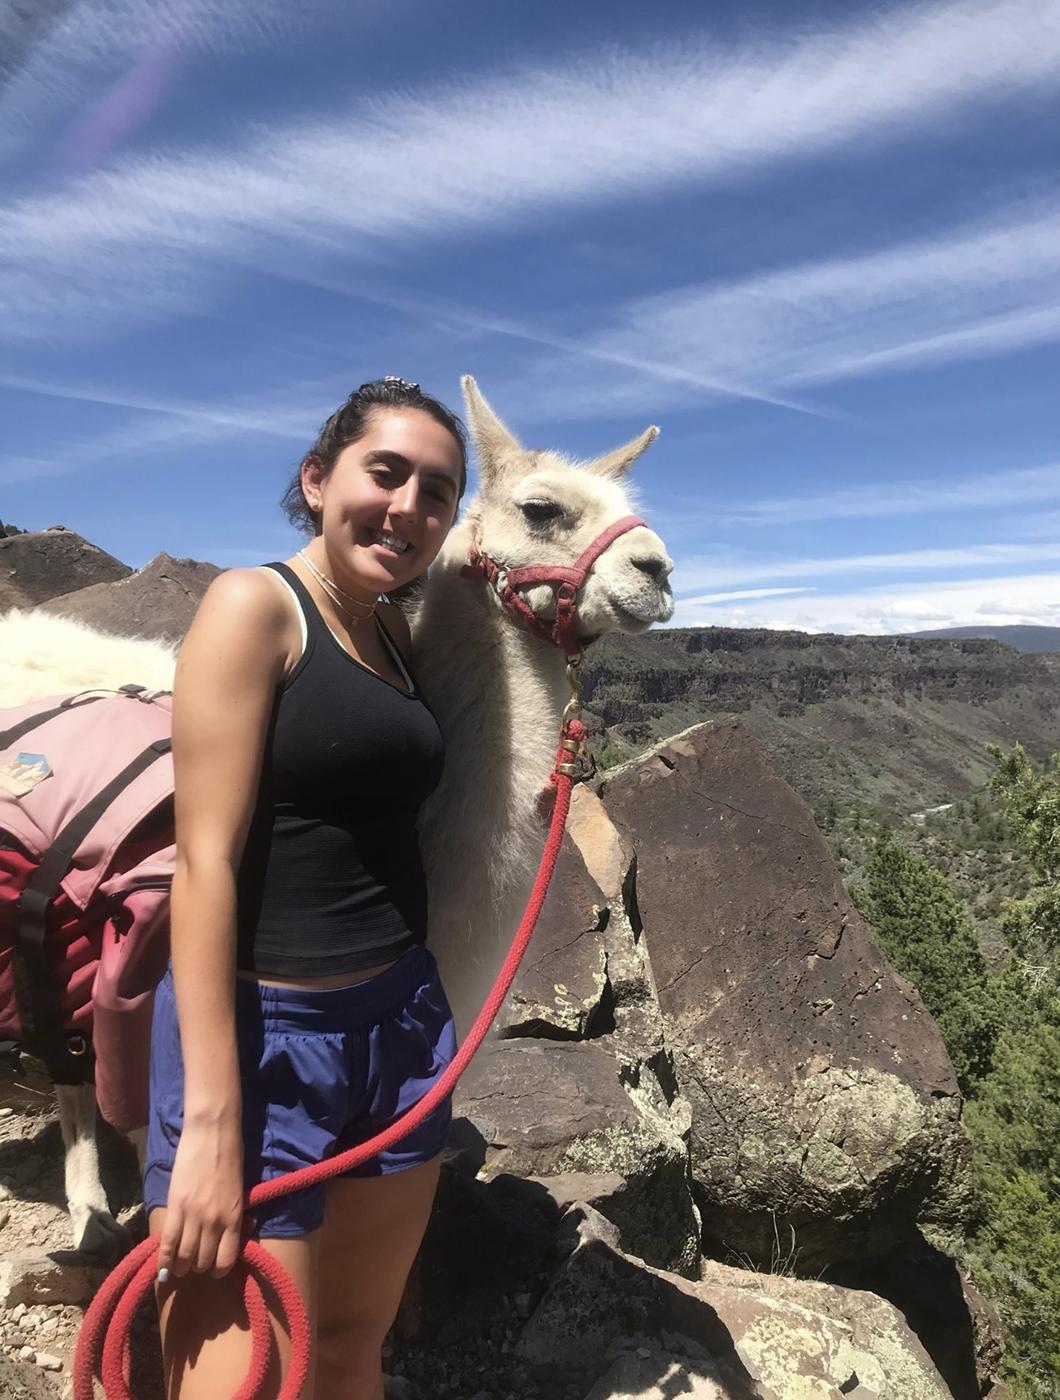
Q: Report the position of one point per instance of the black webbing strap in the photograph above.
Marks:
(36, 991)
(72, 702)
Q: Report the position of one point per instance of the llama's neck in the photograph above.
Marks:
(498, 693)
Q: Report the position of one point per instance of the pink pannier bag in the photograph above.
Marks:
(86, 861)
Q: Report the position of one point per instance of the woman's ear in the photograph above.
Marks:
(312, 477)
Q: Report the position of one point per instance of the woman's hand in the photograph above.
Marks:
(204, 1211)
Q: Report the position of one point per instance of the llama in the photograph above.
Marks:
(42, 655)
(498, 692)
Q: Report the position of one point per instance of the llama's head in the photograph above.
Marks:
(540, 508)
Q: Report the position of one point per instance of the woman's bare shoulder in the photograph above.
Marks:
(245, 617)
(245, 592)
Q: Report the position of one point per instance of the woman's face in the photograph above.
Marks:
(389, 501)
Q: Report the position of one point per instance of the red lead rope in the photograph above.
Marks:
(103, 1344)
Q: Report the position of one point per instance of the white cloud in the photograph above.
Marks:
(488, 153)
(1028, 598)
(978, 290)
(983, 490)
(719, 570)
(101, 65)
(159, 426)
(269, 416)
(745, 593)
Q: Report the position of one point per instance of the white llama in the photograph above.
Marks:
(498, 692)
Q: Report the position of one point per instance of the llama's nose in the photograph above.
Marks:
(656, 566)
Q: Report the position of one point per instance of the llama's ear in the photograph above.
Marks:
(498, 450)
(617, 463)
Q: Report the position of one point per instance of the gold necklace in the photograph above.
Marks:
(336, 594)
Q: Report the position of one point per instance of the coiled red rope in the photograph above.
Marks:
(103, 1345)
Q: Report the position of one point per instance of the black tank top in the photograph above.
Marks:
(331, 879)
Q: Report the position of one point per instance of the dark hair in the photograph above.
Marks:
(350, 422)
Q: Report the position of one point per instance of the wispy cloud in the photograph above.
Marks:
(270, 416)
(744, 595)
(156, 427)
(718, 572)
(488, 153)
(977, 290)
(1026, 598)
(105, 64)
(982, 490)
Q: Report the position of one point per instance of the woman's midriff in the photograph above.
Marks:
(326, 984)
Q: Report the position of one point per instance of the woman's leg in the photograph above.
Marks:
(373, 1227)
(205, 1337)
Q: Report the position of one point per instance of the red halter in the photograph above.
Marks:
(565, 580)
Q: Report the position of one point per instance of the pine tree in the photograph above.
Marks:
(923, 928)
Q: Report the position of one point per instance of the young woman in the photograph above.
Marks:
(303, 1012)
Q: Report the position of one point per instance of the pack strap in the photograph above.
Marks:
(72, 702)
(38, 997)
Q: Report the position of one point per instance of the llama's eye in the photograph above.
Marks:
(537, 512)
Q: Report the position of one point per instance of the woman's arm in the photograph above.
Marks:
(229, 668)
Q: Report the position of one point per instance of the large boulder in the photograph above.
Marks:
(43, 564)
(825, 1112)
(561, 991)
(600, 1300)
(798, 1337)
(157, 601)
(737, 1334)
(579, 1080)
(541, 1108)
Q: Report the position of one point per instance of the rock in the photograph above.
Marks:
(45, 564)
(959, 1328)
(607, 855)
(799, 1337)
(566, 1188)
(36, 1276)
(159, 600)
(561, 991)
(609, 861)
(485, 1241)
(47, 1362)
(988, 1342)
(399, 1388)
(659, 1376)
(542, 1108)
(751, 1336)
(825, 1112)
(600, 1296)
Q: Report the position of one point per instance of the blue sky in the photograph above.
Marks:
(818, 243)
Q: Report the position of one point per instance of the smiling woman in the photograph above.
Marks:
(303, 1013)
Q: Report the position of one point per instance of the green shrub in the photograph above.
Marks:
(924, 930)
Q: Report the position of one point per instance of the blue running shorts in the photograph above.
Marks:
(321, 1070)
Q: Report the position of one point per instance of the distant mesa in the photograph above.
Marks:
(1020, 637)
(157, 601)
(45, 564)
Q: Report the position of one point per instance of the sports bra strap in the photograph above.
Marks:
(395, 654)
(312, 618)
(290, 582)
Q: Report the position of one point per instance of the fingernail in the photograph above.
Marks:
(163, 1275)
